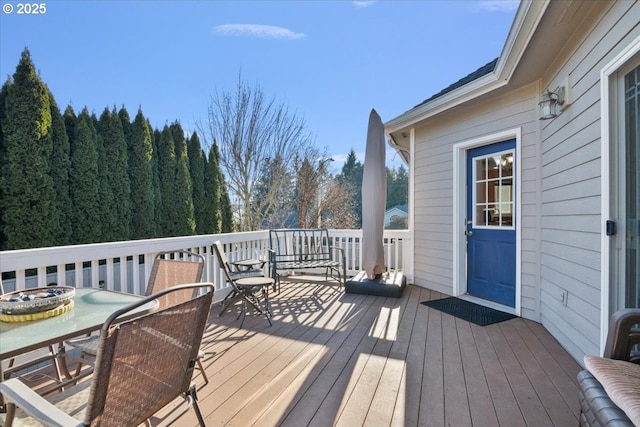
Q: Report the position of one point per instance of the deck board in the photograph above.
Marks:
(342, 359)
(504, 401)
(382, 409)
(431, 374)
(477, 389)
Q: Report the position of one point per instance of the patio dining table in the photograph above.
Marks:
(91, 309)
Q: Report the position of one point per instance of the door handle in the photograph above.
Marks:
(467, 232)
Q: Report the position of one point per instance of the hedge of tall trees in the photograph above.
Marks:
(72, 179)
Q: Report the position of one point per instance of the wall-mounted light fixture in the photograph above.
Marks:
(551, 102)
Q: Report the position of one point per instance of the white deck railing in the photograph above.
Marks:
(126, 266)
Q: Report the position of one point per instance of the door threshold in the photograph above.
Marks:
(490, 304)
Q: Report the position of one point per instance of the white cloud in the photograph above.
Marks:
(500, 5)
(261, 31)
(362, 3)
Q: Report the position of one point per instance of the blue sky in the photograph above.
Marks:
(328, 61)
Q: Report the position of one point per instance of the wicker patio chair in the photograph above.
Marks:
(249, 294)
(609, 387)
(143, 365)
(184, 267)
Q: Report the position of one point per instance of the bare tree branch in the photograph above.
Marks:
(252, 131)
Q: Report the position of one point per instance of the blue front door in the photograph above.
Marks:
(491, 235)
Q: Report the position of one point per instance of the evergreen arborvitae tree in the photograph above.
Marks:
(197, 162)
(226, 210)
(117, 178)
(69, 117)
(186, 224)
(28, 196)
(83, 179)
(125, 121)
(105, 197)
(210, 221)
(4, 162)
(60, 163)
(141, 178)
(166, 216)
(157, 194)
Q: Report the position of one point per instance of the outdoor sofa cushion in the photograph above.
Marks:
(621, 381)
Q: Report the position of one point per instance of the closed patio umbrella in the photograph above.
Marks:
(374, 197)
(374, 279)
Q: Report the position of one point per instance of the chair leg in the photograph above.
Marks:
(52, 357)
(267, 308)
(83, 356)
(243, 311)
(204, 374)
(196, 406)
(10, 415)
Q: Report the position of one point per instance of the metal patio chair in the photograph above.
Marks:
(169, 269)
(143, 365)
(250, 294)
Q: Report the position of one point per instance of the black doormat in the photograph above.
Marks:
(469, 311)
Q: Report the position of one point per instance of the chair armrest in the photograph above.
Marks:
(622, 335)
(17, 393)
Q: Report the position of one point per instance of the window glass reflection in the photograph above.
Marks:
(494, 192)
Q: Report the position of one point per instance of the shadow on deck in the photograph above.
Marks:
(342, 359)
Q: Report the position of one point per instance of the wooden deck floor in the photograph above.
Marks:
(332, 358)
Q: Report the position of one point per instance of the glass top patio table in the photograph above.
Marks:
(91, 308)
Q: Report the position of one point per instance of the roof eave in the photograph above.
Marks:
(456, 97)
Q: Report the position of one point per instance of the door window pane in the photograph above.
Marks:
(481, 169)
(494, 192)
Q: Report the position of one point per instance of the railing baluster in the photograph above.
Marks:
(133, 278)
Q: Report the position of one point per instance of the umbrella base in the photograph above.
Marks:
(390, 284)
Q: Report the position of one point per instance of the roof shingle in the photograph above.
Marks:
(482, 71)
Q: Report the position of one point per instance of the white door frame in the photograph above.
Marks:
(459, 212)
(607, 126)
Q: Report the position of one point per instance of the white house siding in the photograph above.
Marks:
(571, 179)
(433, 179)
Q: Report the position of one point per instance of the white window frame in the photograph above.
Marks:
(608, 126)
(475, 194)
